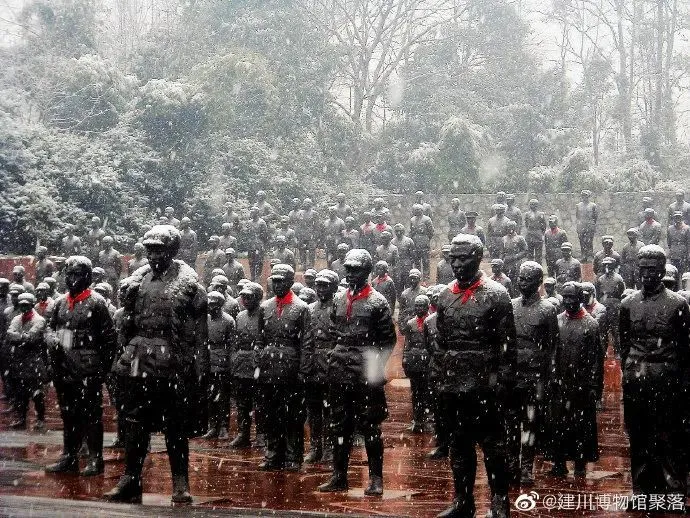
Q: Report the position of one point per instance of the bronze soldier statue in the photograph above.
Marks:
(498, 275)
(606, 251)
(233, 270)
(537, 337)
(138, 260)
(680, 205)
(513, 213)
(92, 239)
(475, 328)
(257, 240)
(343, 209)
(189, 245)
(567, 267)
(333, 231)
(678, 239)
(44, 266)
(513, 252)
(421, 233)
(535, 224)
(574, 386)
(444, 271)
(27, 372)
(243, 363)
(71, 244)
(610, 287)
(221, 341)
(214, 259)
(472, 228)
(407, 297)
(226, 239)
(164, 367)
(650, 228)
(406, 255)
(307, 230)
(81, 340)
(497, 228)
(440, 451)
(316, 369)
(415, 362)
(384, 284)
(629, 267)
(286, 346)
(364, 336)
(654, 327)
(641, 216)
(554, 237)
(586, 215)
(456, 219)
(170, 216)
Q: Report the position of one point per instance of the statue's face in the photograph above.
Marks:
(420, 309)
(413, 280)
(356, 276)
(608, 245)
(41, 295)
(214, 305)
(251, 302)
(572, 299)
(587, 296)
(324, 291)
(533, 206)
(24, 306)
(651, 273)
(529, 281)
(553, 223)
(566, 253)
(160, 257)
(465, 260)
(282, 285)
(77, 278)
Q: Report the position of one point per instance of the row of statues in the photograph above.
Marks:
(492, 370)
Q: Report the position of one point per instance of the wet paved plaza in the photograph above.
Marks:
(222, 478)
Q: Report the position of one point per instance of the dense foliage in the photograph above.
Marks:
(206, 102)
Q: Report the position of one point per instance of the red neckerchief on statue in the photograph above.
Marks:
(555, 230)
(420, 321)
(467, 293)
(363, 294)
(27, 317)
(281, 302)
(71, 301)
(380, 279)
(43, 305)
(432, 309)
(381, 227)
(577, 316)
